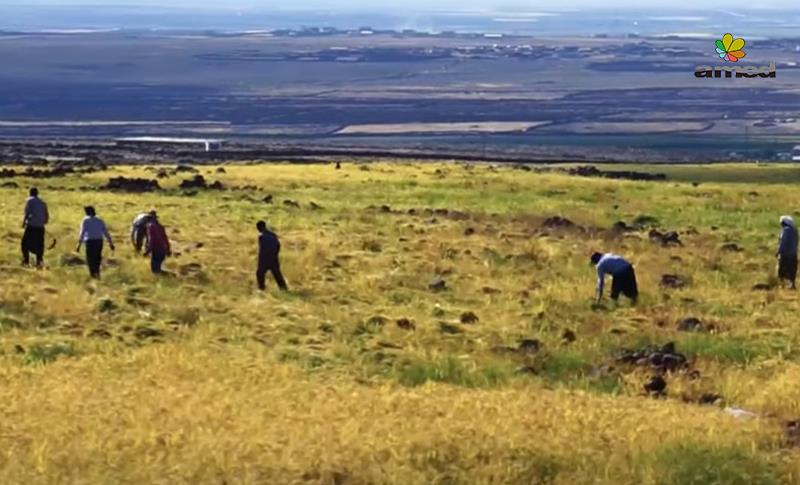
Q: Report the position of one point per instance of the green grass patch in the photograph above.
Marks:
(453, 371)
(701, 464)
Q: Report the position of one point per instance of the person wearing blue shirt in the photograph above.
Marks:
(622, 274)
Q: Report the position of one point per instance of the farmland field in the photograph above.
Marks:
(439, 328)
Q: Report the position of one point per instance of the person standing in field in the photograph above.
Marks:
(269, 248)
(93, 230)
(158, 246)
(139, 229)
(787, 251)
(622, 274)
(34, 220)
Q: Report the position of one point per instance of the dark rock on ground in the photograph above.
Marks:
(267, 199)
(199, 182)
(315, 206)
(437, 284)
(529, 346)
(106, 305)
(449, 328)
(692, 324)
(762, 287)
(469, 231)
(660, 359)
(100, 333)
(71, 260)
(406, 324)
(147, 332)
(569, 336)
(291, 203)
(487, 290)
(670, 238)
(135, 185)
(557, 222)
(621, 226)
(185, 168)
(656, 386)
(672, 281)
(469, 318)
(221, 170)
(731, 248)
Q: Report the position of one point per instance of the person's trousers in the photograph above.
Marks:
(624, 282)
(33, 242)
(273, 267)
(787, 267)
(94, 256)
(156, 260)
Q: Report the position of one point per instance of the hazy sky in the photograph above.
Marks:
(428, 4)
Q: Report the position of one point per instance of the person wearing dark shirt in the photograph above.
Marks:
(787, 251)
(158, 247)
(624, 277)
(34, 220)
(269, 248)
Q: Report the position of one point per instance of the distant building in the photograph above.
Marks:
(796, 154)
(208, 145)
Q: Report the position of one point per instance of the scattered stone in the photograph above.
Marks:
(731, 248)
(621, 226)
(592, 171)
(100, 333)
(672, 281)
(529, 346)
(106, 305)
(656, 386)
(267, 199)
(740, 413)
(691, 324)
(221, 170)
(291, 203)
(660, 359)
(762, 287)
(385, 209)
(793, 433)
(469, 318)
(437, 284)
(526, 369)
(569, 336)
(135, 185)
(449, 328)
(183, 167)
(644, 221)
(71, 260)
(558, 222)
(199, 182)
(338, 165)
(406, 324)
(469, 231)
(162, 174)
(19, 349)
(315, 206)
(147, 332)
(487, 290)
(670, 238)
(709, 399)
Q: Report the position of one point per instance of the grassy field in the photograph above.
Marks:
(362, 373)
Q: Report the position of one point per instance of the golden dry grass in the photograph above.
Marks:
(198, 378)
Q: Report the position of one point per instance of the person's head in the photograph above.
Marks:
(596, 257)
(89, 210)
(787, 221)
(34, 192)
(152, 214)
(261, 226)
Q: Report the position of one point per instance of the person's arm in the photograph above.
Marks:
(148, 242)
(134, 230)
(601, 277)
(26, 213)
(782, 242)
(81, 235)
(46, 213)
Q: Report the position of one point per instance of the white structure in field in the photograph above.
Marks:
(796, 154)
(208, 144)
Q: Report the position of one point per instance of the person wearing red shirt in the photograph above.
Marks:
(157, 244)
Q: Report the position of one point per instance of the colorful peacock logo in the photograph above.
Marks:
(730, 48)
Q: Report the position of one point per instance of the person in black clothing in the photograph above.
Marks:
(269, 247)
(34, 221)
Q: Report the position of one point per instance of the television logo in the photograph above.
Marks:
(731, 49)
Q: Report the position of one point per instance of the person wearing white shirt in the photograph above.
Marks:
(93, 230)
(622, 273)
